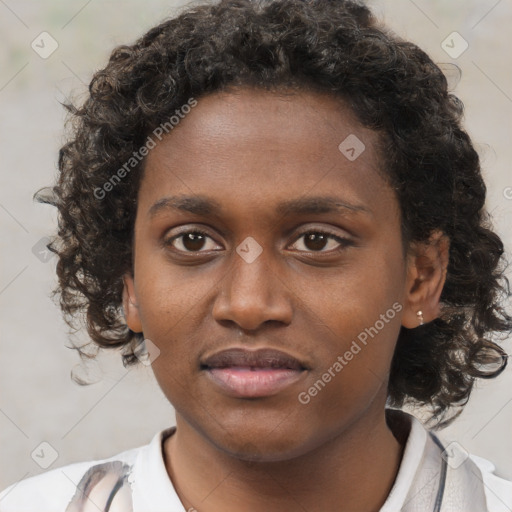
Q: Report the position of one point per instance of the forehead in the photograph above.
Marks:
(251, 147)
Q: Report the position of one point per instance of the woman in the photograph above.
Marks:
(276, 205)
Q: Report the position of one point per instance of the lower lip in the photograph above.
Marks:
(244, 382)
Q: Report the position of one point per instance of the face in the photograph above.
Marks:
(259, 263)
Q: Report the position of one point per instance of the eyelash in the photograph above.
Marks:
(344, 242)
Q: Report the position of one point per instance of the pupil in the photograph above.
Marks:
(193, 241)
(315, 238)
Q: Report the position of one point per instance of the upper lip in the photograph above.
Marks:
(260, 358)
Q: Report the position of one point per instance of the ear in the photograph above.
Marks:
(130, 306)
(427, 264)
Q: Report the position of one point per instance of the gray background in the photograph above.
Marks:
(124, 408)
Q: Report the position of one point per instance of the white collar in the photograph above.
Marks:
(414, 452)
(432, 478)
(162, 497)
(423, 477)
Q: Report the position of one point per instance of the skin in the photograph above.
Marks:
(250, 150)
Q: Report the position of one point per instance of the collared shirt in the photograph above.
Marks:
(431, 478)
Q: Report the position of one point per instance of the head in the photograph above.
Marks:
(246, 112)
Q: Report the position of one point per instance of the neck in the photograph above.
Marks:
(353, 471)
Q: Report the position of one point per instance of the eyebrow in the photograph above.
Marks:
(205, 206)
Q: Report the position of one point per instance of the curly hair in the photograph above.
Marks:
(333, 46)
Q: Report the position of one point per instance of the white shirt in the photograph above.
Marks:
(137, 480)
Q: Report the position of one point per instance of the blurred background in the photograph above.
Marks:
(49, 52)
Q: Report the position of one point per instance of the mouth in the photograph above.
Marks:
(243, 373)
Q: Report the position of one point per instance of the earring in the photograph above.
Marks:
(419, 314)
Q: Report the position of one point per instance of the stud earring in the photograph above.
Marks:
(419, 314)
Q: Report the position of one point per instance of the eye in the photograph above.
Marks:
(316, 240)
(189, 241)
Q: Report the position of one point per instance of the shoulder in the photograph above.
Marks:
(55, 489)
(498, 490)
(436, 470)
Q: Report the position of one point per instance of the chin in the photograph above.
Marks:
(261, 445)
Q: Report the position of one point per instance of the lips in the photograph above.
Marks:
(262, 358)
(243, 373)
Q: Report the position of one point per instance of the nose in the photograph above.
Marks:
(252, 294)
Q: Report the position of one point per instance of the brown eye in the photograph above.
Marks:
(316, 241)
(189, 241)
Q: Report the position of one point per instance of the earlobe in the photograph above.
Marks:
(130, 306)
(426, 276)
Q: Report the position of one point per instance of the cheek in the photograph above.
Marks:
(361, 299)
(351, 377)
(360, 315)
(168, 295)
